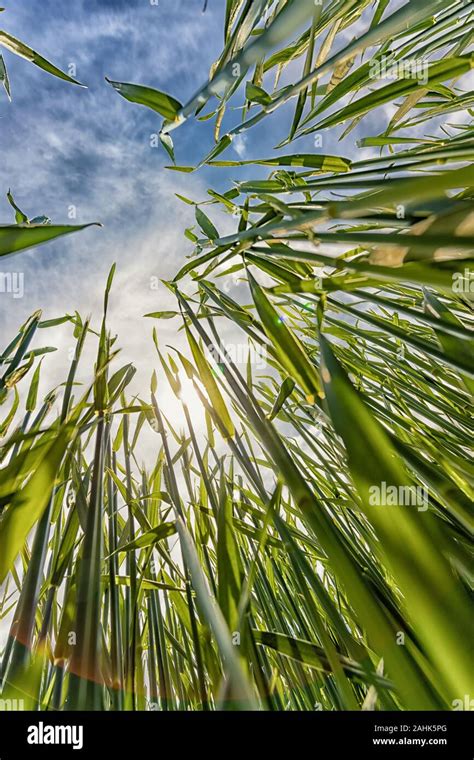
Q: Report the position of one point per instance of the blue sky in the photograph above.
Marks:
(64, 146)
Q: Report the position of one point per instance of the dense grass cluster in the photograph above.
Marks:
(251, 567)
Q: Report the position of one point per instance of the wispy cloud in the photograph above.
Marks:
(87, 153)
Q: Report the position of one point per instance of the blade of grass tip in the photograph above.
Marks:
(15, 238)
(158, 101)
(19, 48)
(21, 344)
(307, 68)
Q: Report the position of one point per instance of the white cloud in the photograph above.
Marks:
(239, 143)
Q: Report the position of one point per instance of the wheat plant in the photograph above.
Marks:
(310, 549)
